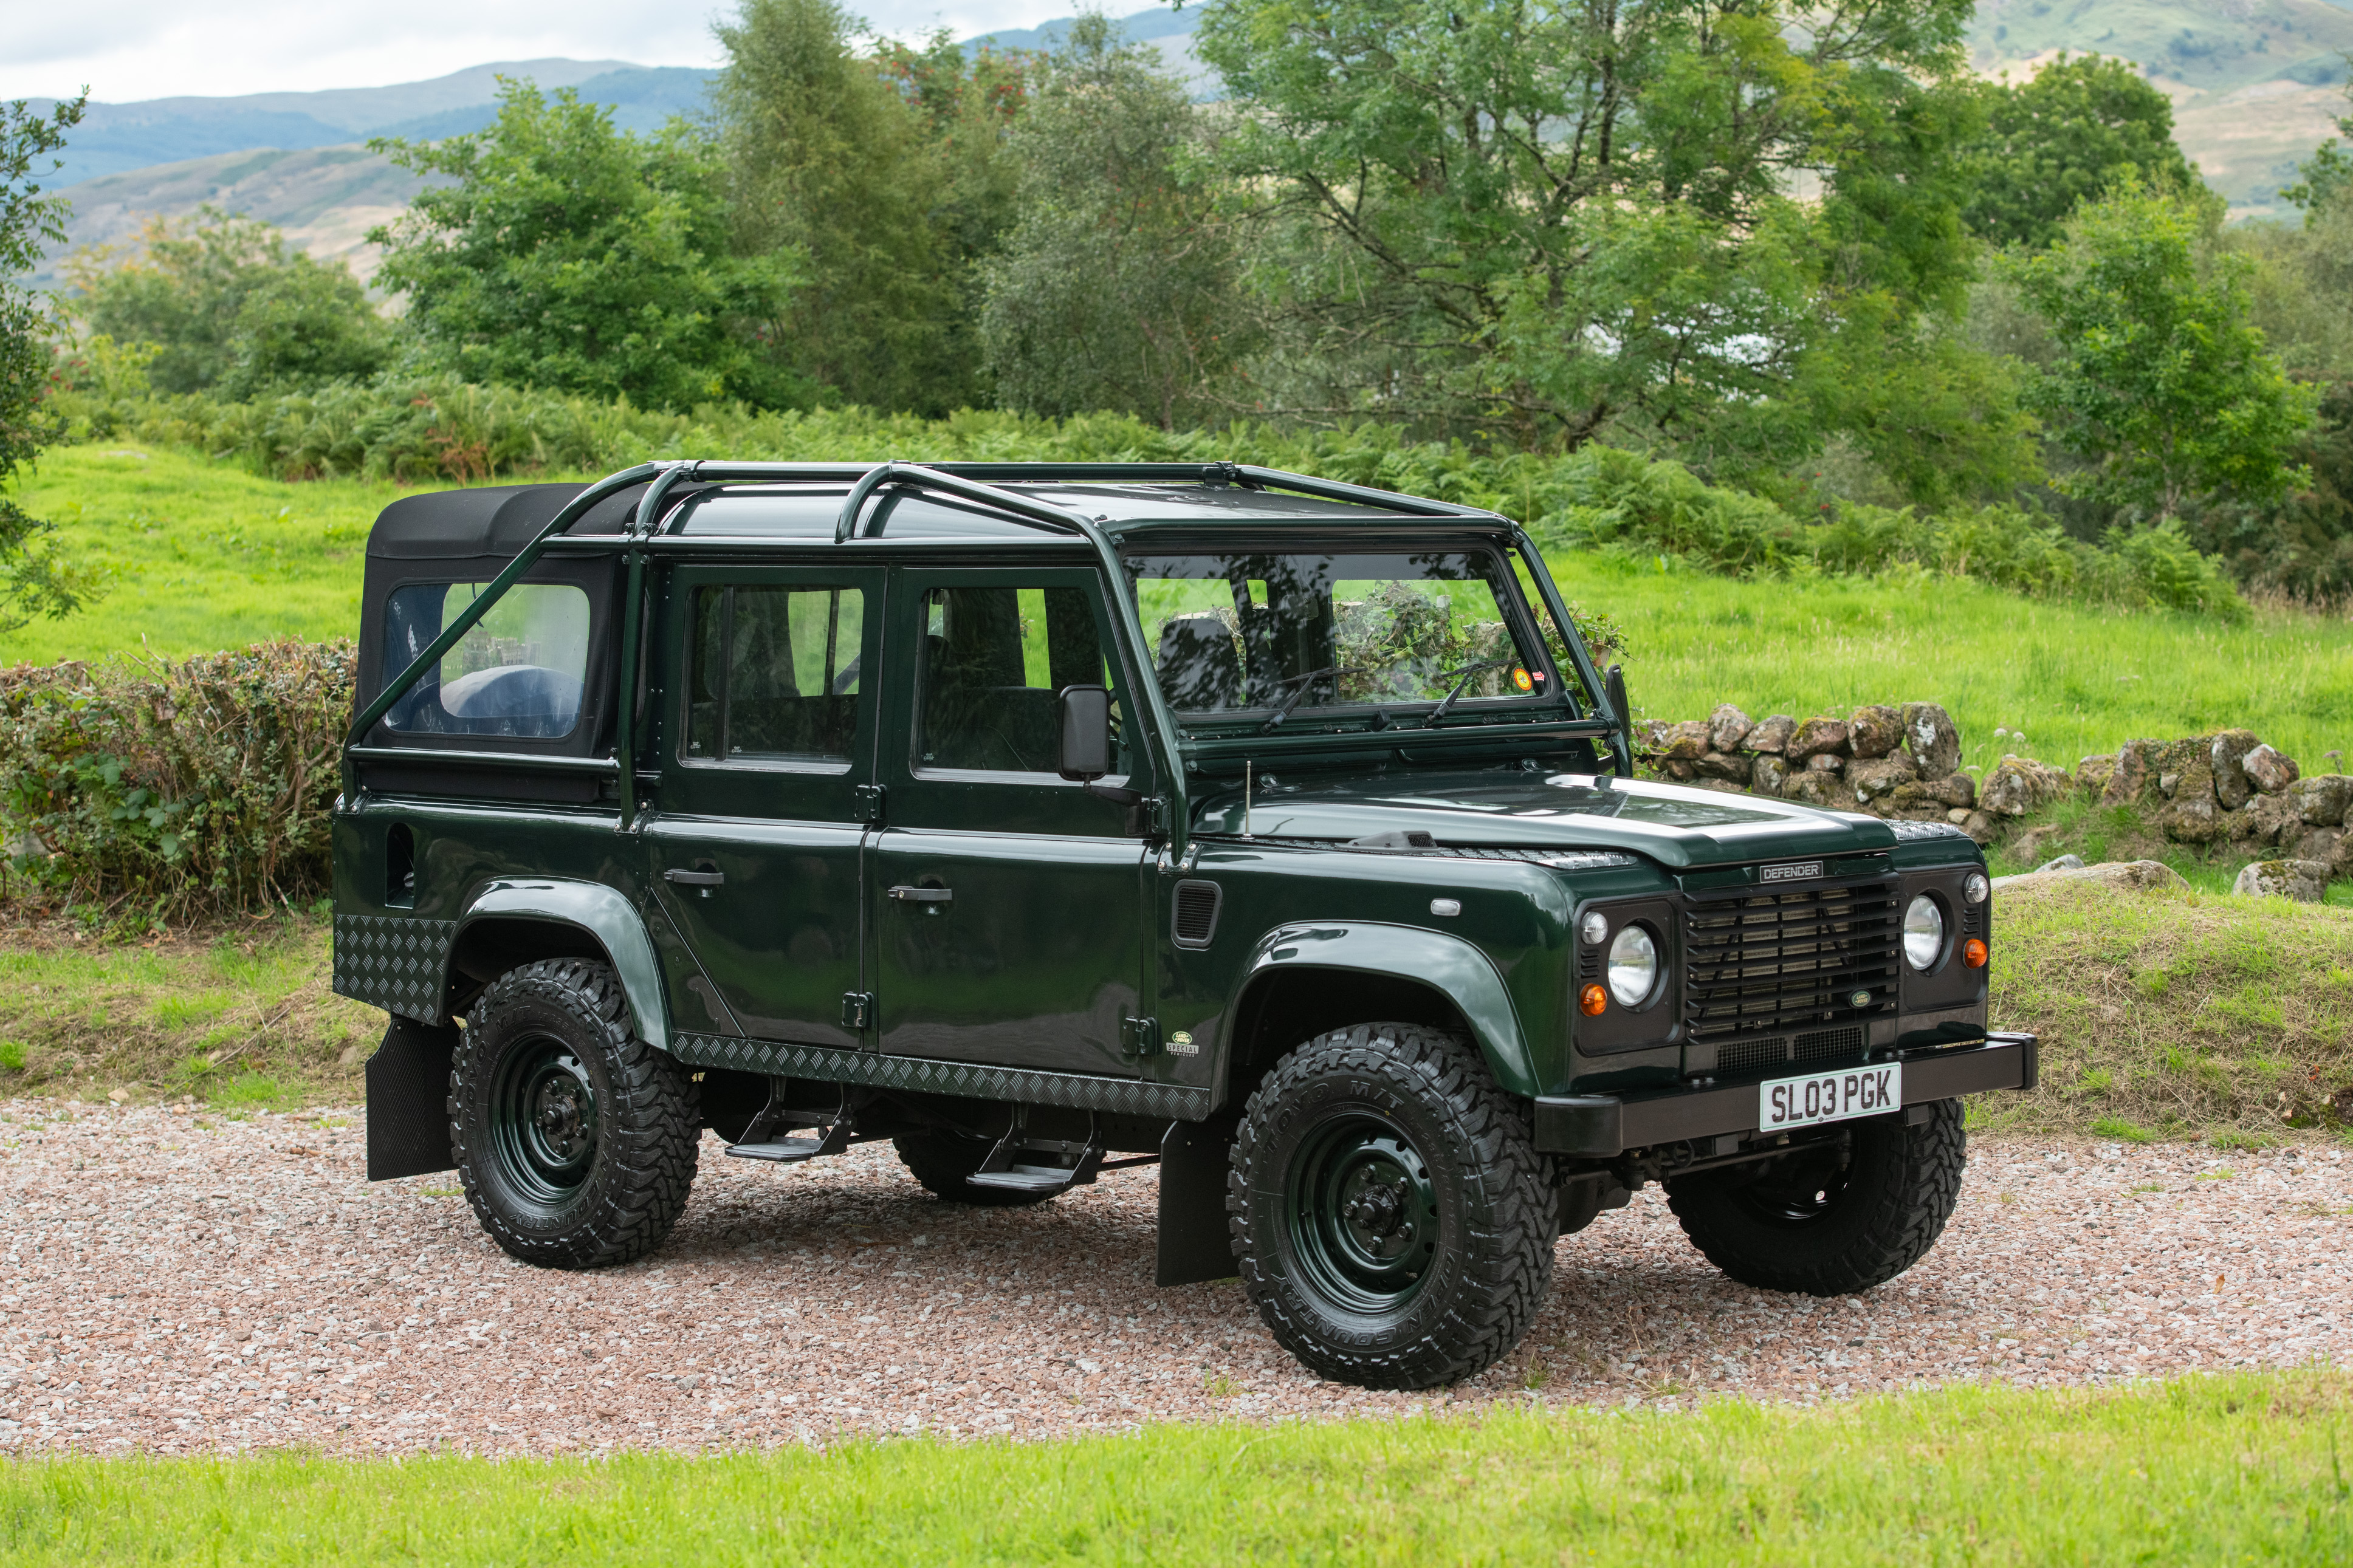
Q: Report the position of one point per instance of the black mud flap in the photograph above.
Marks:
(408, 1102)
(1195, 1241)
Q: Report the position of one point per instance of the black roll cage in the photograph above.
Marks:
(967, 481)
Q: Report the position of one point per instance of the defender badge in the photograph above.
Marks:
(1791, 871)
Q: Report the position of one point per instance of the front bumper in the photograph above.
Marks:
(1603, 1126)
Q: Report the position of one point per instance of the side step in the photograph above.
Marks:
(1006, 1170)
(830, 1134)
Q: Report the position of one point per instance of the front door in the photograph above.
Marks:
(755, 851)
(1009, 904)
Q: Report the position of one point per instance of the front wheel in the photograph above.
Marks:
(575, 1140)
(1389, 1213)
(1834, 1217)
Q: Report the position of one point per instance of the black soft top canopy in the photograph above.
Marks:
(491, 521)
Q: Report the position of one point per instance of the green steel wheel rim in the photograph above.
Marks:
(1362, 1215)
(544, 1122)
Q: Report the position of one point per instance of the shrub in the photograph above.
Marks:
(428, 428)
(174, 789)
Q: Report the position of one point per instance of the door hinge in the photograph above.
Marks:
(870, 802)
(858, 1010)
(1139, 1037)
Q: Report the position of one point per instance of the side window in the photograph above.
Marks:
(993, 659)
(773, 674)
(516, 673)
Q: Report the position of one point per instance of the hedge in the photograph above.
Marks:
(156, 790)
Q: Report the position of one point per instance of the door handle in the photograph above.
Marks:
(933, 895)
(694, 879)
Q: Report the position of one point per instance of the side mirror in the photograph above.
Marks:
(1086, 732)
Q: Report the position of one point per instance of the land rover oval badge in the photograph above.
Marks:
(1791, 871)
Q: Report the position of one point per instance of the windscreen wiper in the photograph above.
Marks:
(1303, 683)
(1468, 673)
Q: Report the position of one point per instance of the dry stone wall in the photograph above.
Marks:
(1903, 761)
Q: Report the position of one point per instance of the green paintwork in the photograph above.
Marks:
(1448, 963)
(604, 914)
(1061, 925)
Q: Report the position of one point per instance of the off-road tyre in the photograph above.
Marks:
(1818, 1230)
(1430, 1284)
(941, 1162)
(576, 1140)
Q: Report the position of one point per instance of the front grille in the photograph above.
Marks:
(1829, 1046)
(1759, 963)
(1750, 1055)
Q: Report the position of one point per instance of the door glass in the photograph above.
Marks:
(993, 659)
(776, 674)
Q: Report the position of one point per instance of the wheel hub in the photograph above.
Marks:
(1364, 1215)
(546, 1122)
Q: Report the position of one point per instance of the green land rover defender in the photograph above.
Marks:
(1044, 819)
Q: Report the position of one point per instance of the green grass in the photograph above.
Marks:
(237, 1016)
(207, 555)
(2237, 1468)
(2077, 679)
(202, 555)
(2173, 1014)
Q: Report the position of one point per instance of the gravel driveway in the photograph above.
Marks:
(176, 1289)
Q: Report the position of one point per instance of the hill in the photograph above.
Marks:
(296, 159)
(2255, 86)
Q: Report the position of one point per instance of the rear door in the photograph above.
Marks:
(756, 852)
(1009, 905)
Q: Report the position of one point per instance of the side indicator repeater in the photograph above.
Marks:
(1591, 1001)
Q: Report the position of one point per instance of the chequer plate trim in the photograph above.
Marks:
(969, 1080)
(397, 963)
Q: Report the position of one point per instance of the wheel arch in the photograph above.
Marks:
(1304, 980)
(518, 921)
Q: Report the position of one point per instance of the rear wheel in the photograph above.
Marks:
(1842, 1218)
(941, 1162)
(576, 1140)
(1389, 1213)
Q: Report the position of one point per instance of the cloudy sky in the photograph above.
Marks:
(126, 49)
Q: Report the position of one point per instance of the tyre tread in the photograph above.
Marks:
(657, 1130)
(1512, 1264)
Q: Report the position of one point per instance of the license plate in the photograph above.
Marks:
(1821, 1097)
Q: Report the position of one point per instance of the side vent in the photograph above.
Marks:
(1196, 912)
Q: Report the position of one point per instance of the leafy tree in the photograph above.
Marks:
(2328, 173)
(1540, 222)
(886, 172)
(2062, 137)
(1118, 288)
(230, 308)
(2157, 380)
(572, 256)
(32, 583)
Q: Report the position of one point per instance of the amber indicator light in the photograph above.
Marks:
(1973, 952)
(1591, 1000)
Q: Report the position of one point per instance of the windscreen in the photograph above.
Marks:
(1295, 631)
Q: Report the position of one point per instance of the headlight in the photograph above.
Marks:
(1634, 966)
(1976, 888)
(1924, 934)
